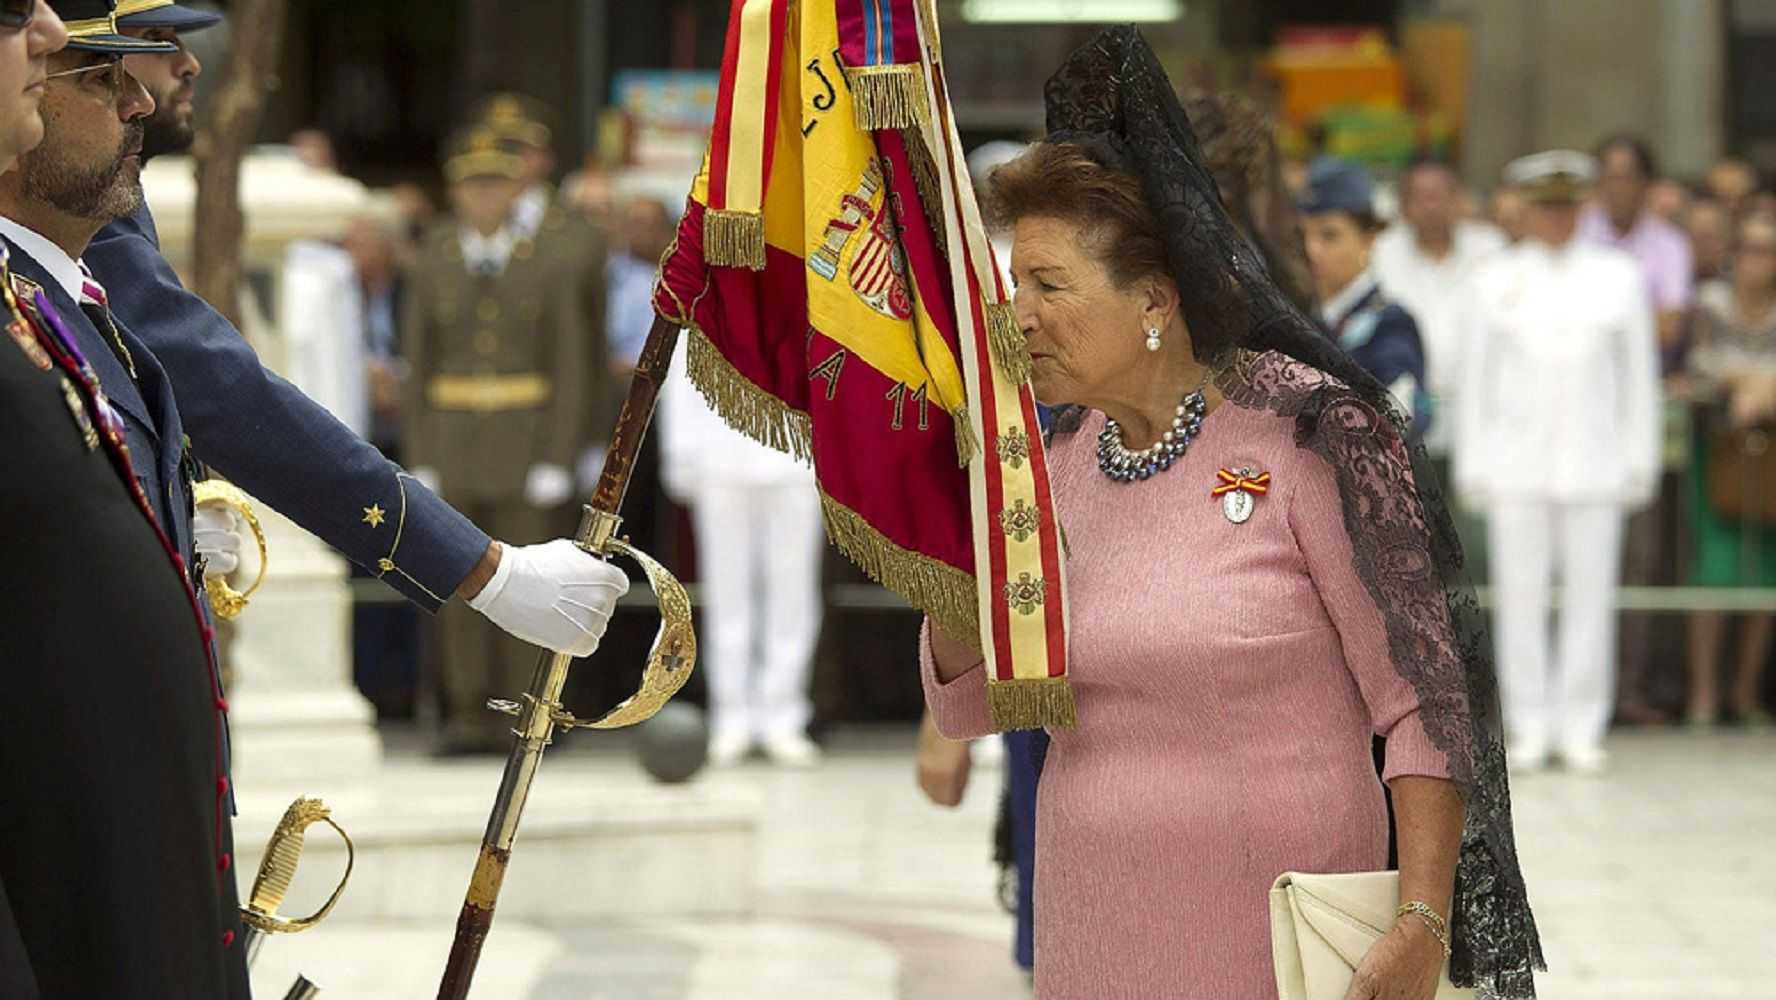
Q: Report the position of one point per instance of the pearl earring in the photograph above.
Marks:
(1153, 338)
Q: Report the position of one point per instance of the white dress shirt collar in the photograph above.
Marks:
(1338, 306)
(487, 253)
(63, 268)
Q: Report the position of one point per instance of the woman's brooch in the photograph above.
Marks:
(1239, 491)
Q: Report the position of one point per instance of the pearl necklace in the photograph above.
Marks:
(1125, 466)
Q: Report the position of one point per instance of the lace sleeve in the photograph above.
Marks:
(1376, 466)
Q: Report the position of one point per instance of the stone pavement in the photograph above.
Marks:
(1655, 880)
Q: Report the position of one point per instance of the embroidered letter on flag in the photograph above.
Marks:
(866, 327)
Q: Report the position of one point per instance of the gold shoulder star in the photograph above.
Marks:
(373, 515)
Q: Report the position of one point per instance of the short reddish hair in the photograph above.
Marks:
(1062, 181)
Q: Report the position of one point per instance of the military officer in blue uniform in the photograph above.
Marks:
(116, 857)
(1339, 226)
(266, 436)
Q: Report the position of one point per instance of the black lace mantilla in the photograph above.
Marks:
(1113, 99)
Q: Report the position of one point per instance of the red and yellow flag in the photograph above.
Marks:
(843, 304)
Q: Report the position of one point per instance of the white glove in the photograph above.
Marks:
(547, 485)
(427, 476)
(215, 534)
(554, 595)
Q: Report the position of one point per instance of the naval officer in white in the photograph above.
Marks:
(1558, 439)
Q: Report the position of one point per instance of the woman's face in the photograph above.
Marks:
(1337, 250)
(1084, 332)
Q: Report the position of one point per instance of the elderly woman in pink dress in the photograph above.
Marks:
(1235, 651)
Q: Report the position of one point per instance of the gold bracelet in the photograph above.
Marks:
(1431, 918)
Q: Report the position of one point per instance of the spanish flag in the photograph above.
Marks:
(844, 305)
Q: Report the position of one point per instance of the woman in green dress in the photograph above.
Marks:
(1735, 350)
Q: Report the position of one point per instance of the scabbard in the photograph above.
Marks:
(637, 414)
(536, 724)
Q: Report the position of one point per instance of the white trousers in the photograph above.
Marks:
(758, 556)
(1557, 691)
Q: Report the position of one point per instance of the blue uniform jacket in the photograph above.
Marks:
(1383, 338)
(263, 434)
(146, 402)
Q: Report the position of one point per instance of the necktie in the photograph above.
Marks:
(98, 308)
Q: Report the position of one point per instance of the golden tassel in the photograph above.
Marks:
(747, 408)
(946, 593)
(967, 445)
(1010, 349)
(891, 96)
(734, 239)
(1042, 703)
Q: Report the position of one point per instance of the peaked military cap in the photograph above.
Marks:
(92, 27)
(164, 14)
(479, 151)
(1335, 185)
(516, 117)
(1558, 175)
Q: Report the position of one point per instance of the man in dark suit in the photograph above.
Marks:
(116, 857)
(277, 444)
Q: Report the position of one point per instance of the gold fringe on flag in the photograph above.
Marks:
(1043, 703)
(924, 167)
(967, 445)
(946, 593)
(1010, 349)
(747, 408)
(891, 96)
(734, 239)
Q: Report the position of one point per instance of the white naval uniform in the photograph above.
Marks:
(1557, 439)
(1434, 291)
(759, 541)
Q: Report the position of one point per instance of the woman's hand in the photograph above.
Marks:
(943, 765)
(1406, 964)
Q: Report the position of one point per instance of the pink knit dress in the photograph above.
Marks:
(1229, 678)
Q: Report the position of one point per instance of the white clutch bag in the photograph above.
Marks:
(1321, 926)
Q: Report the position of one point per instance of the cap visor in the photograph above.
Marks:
(119, 45)
(181, 19)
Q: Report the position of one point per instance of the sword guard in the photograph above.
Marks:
(227, 602)
(670, 660)
(505, 706)
(278, 869)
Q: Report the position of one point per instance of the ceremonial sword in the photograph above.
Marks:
(539, 712)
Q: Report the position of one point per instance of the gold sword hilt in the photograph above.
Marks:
(227, 602)
(282, 855)
(671, 658)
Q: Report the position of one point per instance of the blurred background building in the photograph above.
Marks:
(372, 90)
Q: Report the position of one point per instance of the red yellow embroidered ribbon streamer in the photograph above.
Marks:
(1232, 483)
(744, 135)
